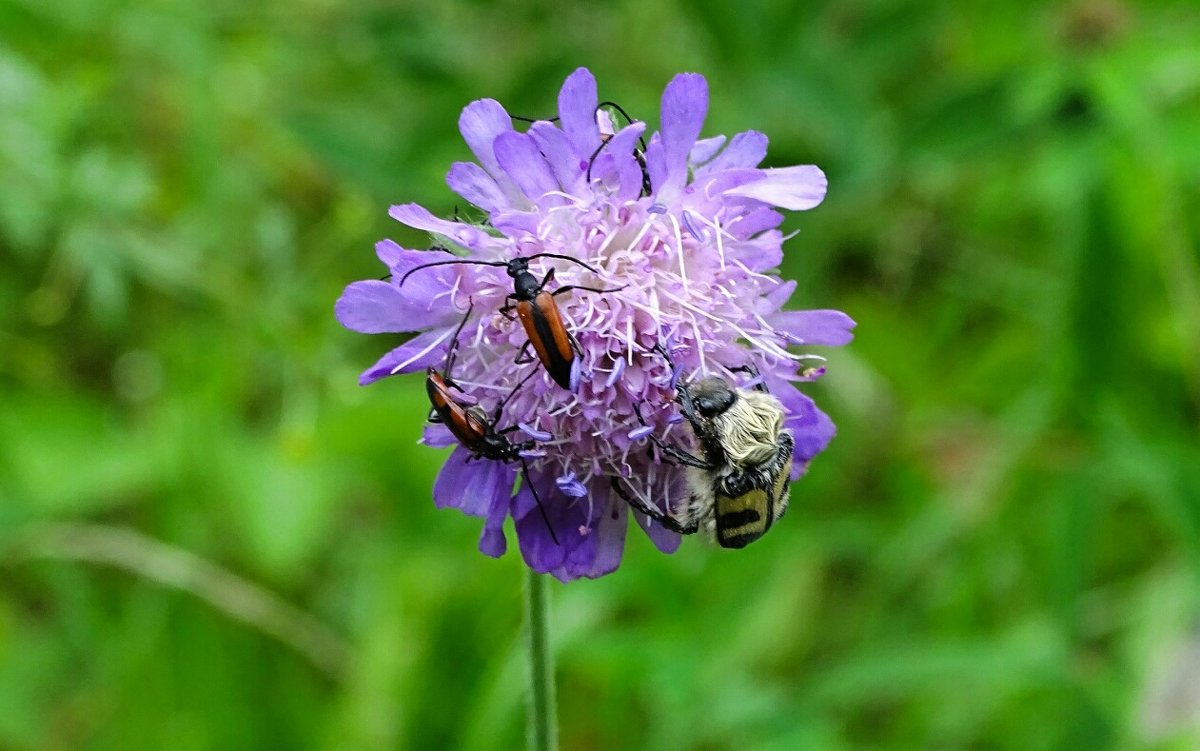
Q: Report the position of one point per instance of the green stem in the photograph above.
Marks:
(542, 734)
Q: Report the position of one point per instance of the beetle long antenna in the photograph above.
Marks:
(447, 263)
(624, 114)
(560, 256)
(534, 119)
(511, 394)
(450, 354)
(541, 508)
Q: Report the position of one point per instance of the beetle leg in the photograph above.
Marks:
(545, 280)
(683, 395)
(674, 452)
(681, 456)
(523, 357)
(541, 508)
(666, 520)
(753, 371)
(506, 311)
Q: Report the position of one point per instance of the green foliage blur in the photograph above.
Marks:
(212, 538)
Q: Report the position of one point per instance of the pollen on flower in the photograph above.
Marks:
(690, 268)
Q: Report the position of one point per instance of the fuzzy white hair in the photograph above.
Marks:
(750, 428)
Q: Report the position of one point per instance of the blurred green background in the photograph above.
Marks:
(212, 538)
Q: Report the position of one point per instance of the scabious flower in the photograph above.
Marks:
(692, 265)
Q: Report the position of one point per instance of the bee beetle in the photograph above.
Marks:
(739, 488)
(472, 427)
(537, 311)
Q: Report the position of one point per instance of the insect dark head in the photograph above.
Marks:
(711, 396)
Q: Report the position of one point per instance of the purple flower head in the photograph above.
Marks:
(689, 264)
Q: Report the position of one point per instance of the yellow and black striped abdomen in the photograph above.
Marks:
(742, 519)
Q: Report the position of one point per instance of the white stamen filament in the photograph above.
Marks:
(445, 335)
(679, 250)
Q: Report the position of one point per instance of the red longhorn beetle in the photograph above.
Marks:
(537, 310)
(471, 425)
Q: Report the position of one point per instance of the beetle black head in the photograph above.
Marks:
(711, 396)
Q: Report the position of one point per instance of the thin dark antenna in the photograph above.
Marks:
(503, 264)
(559, 256)
(534, 119)
(447, 263)
(624, 114)
(454, 341)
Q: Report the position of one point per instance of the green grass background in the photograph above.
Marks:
(212, 538)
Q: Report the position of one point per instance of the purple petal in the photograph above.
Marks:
(794, 188)
(656, 166)
(811, 428)
(567, 167)
(473, 183)
(610, 535)
(774, 300)
(759, 253)
(812, 433)
(704, 150)
(617, 160)
(418, 217)
(601, 541)
(375, 307)
(754, 222)
(516, 223)
(492, 541)
(437, 435)
(684, 106)
(418, 353)
(472, 486)
(402, 260)
(717, 183)
(577, 102)
(830, 328)
(480, 123)
(519, 157)
(390, 253)
(538, 548)
(746, 149)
